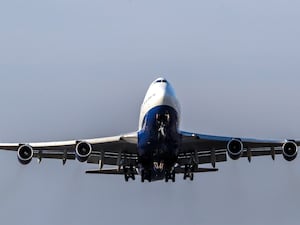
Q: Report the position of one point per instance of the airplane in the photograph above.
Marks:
(158, 150)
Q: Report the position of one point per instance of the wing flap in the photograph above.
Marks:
(54, 155)
(113, 159)
(262, 152)
(202, 158)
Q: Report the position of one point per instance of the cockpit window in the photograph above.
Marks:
(161, 81)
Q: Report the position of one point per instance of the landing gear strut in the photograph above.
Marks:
(129, 172)
(189, 172)
(170, 175)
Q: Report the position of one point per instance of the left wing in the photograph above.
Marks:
(200, 148)
(113, 150)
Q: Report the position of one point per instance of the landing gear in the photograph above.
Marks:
(170, 175)
(145, 175)
(189, 172)
(129, 172)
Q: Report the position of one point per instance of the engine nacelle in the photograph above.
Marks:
(83, 151)
(25, 154)
(289, 150)
(235, 148)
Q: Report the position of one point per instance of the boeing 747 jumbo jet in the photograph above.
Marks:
(158, 150)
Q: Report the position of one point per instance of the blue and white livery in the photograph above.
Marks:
(159, 149)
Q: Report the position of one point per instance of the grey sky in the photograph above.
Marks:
(80, 69)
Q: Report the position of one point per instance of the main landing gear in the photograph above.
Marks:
(189, 172)
(145, 175)
(170, 175)
(129, 172)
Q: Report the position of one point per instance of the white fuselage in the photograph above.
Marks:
(160, 93)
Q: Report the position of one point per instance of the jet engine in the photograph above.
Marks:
(83, 151)
(289, 150)
(25, 154)
(235, 149)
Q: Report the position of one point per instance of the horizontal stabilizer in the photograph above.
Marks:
(108, 171)
(197, 170)
(121, 171)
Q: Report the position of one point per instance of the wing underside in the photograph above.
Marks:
(104, 151)
(203, 149)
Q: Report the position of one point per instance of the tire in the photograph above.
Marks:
(143, 176)
(192, 177)
(173, 179)
(173, 176)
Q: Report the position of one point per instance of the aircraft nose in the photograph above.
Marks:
(167, 91)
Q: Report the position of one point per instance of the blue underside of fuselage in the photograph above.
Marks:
(157, 146)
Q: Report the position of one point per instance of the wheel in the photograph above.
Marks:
(126, 177)
(167, 176)
(184, 176)
(173, 179)
(173, 176)
(133, 177)
(192, 177)
(143, 176)
(149, 175)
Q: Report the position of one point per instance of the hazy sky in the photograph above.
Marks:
(80, 69)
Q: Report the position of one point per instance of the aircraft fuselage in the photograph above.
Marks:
(158, 136)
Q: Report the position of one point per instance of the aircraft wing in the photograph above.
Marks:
(203, 148)
(107, 150)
